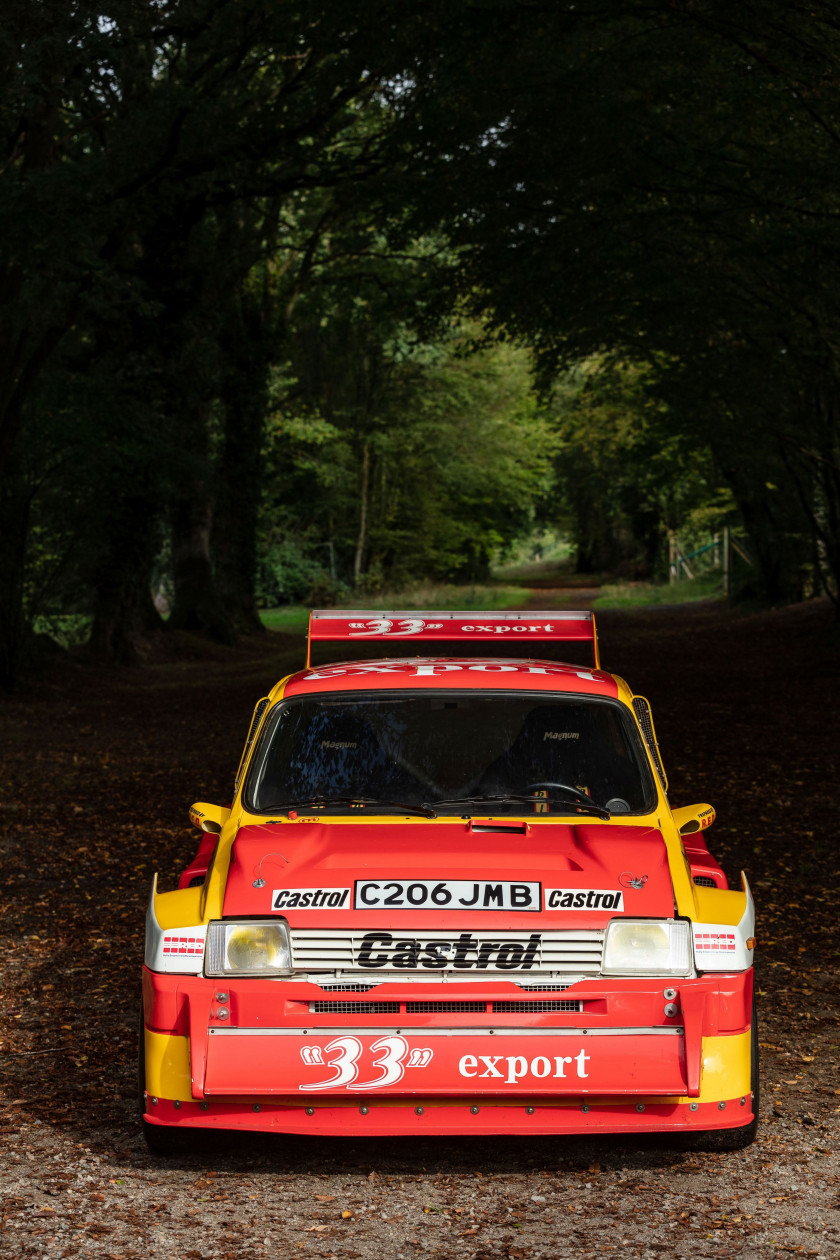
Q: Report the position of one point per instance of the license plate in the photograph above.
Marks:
(445, 894)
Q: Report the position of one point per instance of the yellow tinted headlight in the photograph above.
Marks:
(248, 948)
(646, 947)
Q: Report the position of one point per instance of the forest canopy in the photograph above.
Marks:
(301, 298)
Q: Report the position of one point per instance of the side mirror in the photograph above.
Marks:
(208, 817)
(691, 818)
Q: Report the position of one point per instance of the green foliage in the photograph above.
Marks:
(644, 594)
(659, 180)
(288, 574)
(254, 259)
(428, 595)
(294, 618)
(458, 454)
(626, 476)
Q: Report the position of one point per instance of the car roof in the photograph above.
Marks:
(424, 673)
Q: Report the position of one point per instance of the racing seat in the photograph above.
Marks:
(566, 743)
(340, 754)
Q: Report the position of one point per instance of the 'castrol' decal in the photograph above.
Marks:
(309, 898)
(438, 894)
(391, 1055)
(584, 899)
(382, 949)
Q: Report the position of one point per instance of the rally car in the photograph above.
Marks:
(450, 896)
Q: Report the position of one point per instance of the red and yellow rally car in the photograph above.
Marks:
(450, 896)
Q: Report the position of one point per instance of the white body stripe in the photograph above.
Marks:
(178, 950)
(723, 946)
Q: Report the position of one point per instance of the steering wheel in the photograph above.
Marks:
(563, 787)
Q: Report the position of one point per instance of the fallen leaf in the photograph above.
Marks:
(325, 1198)
(317, 1229)
(346, 1214)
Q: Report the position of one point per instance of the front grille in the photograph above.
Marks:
(556, 953)
(705, 881)
(354, 1008)
(427, 1008)
(510, 1008)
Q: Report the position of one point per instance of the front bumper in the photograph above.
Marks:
(290, 1057)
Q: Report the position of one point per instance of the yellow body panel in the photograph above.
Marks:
(167, 1065)
(727, 1068)
(717, 905)
(181, 908)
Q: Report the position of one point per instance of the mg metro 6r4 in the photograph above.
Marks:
(450, 896)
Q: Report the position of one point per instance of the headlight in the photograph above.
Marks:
(249, 947)
(646, 947)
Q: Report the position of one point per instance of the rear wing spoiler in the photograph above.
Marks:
(454, 629)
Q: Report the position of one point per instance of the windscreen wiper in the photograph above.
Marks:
(316, 802)
(517, 798)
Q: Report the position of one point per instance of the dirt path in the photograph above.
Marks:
(97, 774)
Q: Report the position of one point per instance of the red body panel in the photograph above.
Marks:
(701, 862)
(469, 673)
(310, 854)
(198, 867)
(711, 1005)
(349, 1063)
(428, 1117)
(273, 1043)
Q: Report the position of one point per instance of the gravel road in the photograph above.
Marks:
(97, 773)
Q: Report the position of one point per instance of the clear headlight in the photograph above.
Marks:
(248, 947)
(646, 947)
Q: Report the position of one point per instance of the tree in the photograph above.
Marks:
(133, 137)
(660, 181)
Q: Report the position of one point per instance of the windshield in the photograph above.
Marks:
(455, 752)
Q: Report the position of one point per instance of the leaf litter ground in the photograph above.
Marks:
(98, 769)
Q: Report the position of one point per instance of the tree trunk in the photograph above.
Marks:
(124, 613)
(234, 533)
(197, 606)
(363, 513)
(14, 629)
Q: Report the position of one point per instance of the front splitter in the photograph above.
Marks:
(434, 1117)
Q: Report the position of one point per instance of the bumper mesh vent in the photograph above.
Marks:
(525, 1008)
(705, 881)
(354, 1008)
(543, 988)
(426, 1008)
(347, 988)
